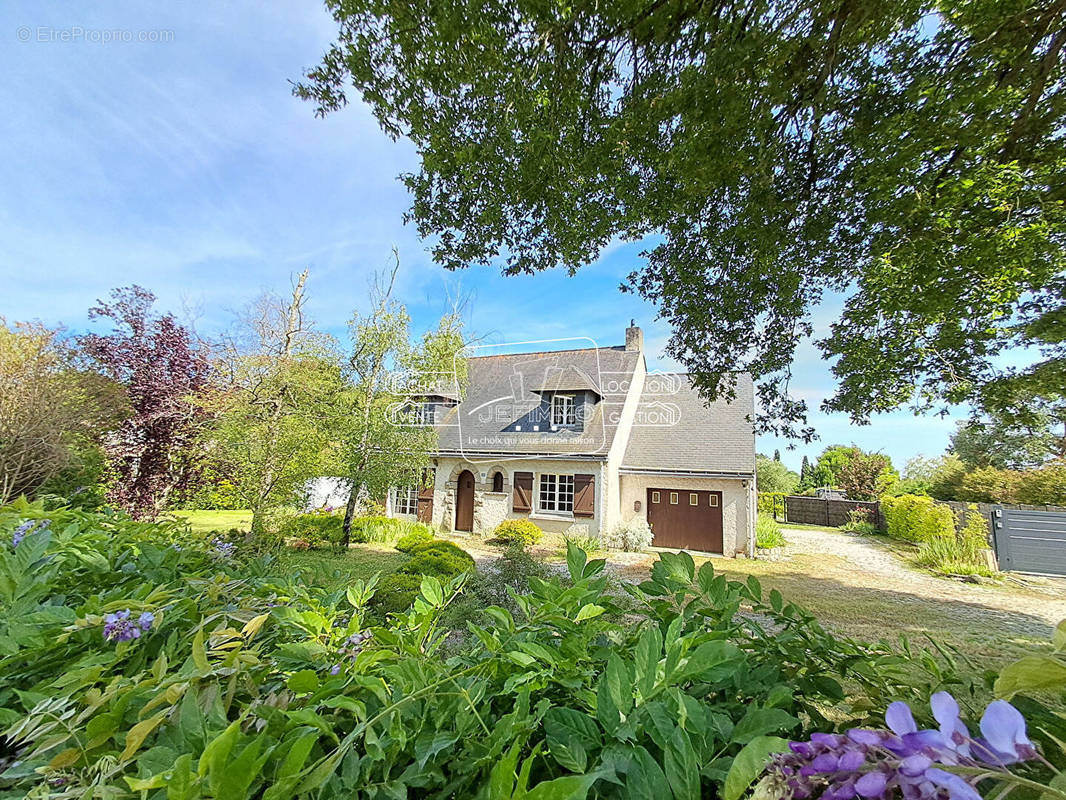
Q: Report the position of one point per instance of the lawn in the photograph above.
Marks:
(323, 567)
(207, 521)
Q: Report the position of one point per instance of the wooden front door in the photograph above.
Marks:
(687, 519)
(464, 501)
(425, 505)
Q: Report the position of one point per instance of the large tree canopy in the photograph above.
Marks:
(906, 154)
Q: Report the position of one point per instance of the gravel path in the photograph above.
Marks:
(872, 563)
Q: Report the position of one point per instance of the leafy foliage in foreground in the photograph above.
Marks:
(244, 684)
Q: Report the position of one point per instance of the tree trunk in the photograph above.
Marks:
(293, 326)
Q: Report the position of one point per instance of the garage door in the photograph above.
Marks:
(684, 518)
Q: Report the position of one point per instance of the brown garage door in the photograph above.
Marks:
(685, 518)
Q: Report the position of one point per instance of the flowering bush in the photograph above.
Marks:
(631, 536)
(245, 682)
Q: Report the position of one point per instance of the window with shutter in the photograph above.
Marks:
(584, 495)
(523, 491)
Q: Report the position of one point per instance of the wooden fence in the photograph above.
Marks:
(831, 513)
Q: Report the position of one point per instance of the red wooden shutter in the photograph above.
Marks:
(584, 495)
(523, 491)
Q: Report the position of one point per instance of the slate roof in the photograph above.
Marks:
(505, 399)
(676, 431)
(568, 379)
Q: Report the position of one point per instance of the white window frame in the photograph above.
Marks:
(555, 493)
(564, 410)
(405, 500)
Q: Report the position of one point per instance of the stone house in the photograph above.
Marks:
(580, 440)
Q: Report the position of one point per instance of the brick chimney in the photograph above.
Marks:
(634, 338)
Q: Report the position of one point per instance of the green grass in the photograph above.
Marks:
(207, 521)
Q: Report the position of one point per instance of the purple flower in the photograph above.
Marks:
(1003, 736)
(222, 549)
(335, 669)
(27, 527)
(956, 787)
(904, 760)
(118, 627)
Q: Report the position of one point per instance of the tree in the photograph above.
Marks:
(866, 476)
(278, 403)
(939, 478)
(907, 155)
(806, 478)
(773, 476)
(1046, 485)
(382, 444)
(990, 485)
(163, 369)
(1027, 436)
(862, 475)
(52, 415)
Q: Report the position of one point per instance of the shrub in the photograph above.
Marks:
(859, 521)
(590, 544)
(632, 536)
(517, 531)
(396, 592)
(768, 532)
(917, 519)
(962, 553)
(319, 528)
(419, 534)
(769, 502)
(439, 558)
(376, 529)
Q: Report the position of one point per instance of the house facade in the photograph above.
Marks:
(581, 440)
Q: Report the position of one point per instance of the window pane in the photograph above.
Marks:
(673, 498)
(693, 499)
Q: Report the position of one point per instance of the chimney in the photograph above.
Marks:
(634, 338)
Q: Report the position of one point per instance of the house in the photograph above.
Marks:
(579, 440)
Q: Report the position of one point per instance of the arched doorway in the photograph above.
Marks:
(464, 501)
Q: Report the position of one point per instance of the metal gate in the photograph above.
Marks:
(1030, 541)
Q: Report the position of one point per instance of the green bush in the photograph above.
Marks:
(396, 592)
(439, 558)
(318, 528)
(517, 531)
(917, 519)
(962, 553)
(768, 532)
(414, 537)
(768, 502)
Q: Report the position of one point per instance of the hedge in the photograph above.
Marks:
(915, 518)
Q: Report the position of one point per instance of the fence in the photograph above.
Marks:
(816, 511)
(986, 509)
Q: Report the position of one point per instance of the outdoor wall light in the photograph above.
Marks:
(636, 505)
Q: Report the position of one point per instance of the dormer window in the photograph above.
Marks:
(563, 410)
(425, 414)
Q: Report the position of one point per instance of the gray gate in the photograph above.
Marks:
(1030, 541)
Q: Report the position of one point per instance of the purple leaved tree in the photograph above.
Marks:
(163, 367)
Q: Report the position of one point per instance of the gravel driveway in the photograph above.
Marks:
(873, 563)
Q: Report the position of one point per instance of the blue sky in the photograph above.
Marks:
(183, 164)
